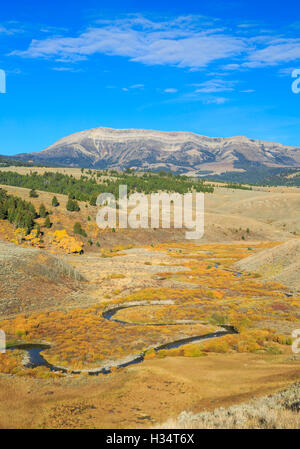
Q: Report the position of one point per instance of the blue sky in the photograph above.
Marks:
(218, 68)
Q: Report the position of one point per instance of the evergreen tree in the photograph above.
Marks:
(42, 211)
(47, 223)
(78, 229)
(72, 205)
(38, 230)
(21, 213)
(55, 202)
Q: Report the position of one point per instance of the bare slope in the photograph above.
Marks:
(147, 149)
(279, 210)
(277, 411)
(281, 263)
(32, 279)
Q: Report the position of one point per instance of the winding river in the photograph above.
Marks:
(33, 357)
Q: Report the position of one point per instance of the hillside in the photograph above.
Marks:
(281, 263)
(33, 279)
(230, 215)
(182, 152)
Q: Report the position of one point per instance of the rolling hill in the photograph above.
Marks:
(281, 263)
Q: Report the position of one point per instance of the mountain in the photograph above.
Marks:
(182, 152)
(6, 161)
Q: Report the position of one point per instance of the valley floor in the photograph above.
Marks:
(146, 395)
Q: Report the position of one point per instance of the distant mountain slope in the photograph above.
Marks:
(7, 161)
(183, 152)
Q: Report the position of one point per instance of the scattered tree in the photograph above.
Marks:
(55, 202)
(47, 223)
(77, 229)
(33, 193)
(72, 205)
(42, 211)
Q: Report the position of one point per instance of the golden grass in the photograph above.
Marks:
(278, 411)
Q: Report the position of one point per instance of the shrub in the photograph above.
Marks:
(218, 318)
(33, 193)
(72, 205)
(220, 346)
(77, 229)
(192, 351)
(63, 240)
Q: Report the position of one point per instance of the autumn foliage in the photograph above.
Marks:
(260, 311)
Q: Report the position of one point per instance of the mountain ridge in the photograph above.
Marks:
(179, 151)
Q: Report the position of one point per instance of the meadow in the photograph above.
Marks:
(214, 295)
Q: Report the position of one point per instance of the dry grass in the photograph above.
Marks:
(281, 263)
(157, 389)
(31, 279)
(229, 213)
(277, 411)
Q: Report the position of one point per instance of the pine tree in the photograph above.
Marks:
(55, 202)
(47, 223)
(77, 229)
(72, 205)
(42, 211)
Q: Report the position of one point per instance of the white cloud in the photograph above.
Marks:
(184, 42)
(246, 25)
(215, 85)
(9, 31)
(137, 86)
(171, 90)
(191, 42)
(230, 67)
(215, 100)
(126, 89)
(278, 52)
(287, 71)
(66, 69)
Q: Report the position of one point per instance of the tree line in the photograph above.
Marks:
(88, 188)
